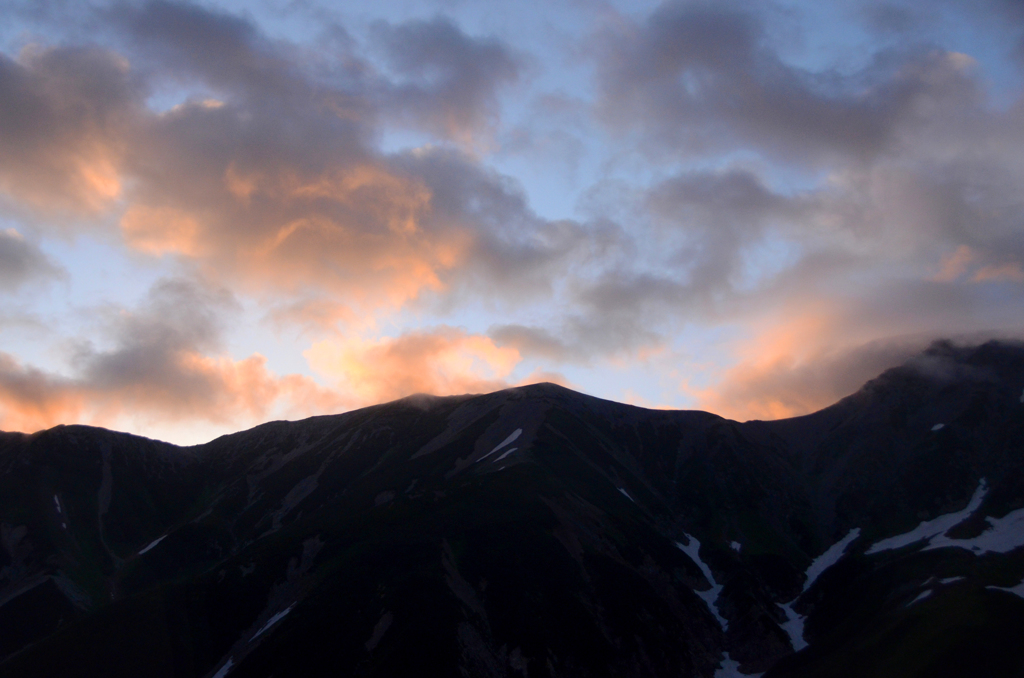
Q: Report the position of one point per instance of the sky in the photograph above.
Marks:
(215, 214)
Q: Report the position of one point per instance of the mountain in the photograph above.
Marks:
(536, 532)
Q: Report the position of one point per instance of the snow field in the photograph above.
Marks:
(152, 544)
(932, 528)
(830, 557)
(1004, 535)
(224, 669)
(273, 620)
(505, 454)
(730, 668)
(507, 441)
(710, 597)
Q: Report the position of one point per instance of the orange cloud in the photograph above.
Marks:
(199, 396)
(273, 192)
(755, 387)
(799, 365)
(60, 147)
(216, 390)
(356, 232)
(1011, 272)
(444, 361)
(31, 399)
(160, 230)
(315, 314)
(956, 264)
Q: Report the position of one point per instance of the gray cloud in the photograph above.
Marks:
(63, 117)
(156, 364)
(450, 80)
(22, 262)
(717, 217)
(178, 318)
(269, 179)
(268, 176)
(513, 252)
(30, 389)
(890, 18)
(155, 361)
(702, 77)
(532, 341)
(193, 43)
(615, 314)
(908, 246)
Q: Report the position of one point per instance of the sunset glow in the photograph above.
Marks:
(213, 214)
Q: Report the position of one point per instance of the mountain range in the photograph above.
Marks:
(535, 531)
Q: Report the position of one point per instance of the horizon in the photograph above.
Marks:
(914, 362)
(219, 214)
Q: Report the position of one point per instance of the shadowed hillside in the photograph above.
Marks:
(538, 532)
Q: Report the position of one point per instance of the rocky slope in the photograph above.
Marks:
(536, 532)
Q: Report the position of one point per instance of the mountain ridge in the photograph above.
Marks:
(531, 531)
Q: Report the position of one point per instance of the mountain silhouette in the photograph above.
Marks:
(535, 531)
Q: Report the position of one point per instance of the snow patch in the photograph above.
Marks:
(793, 626)
(932, 528)
(273, 620)
(1004, 535)
(710, 597)
(224, 669)
(921, 596)
(1017, 590)
(829, 557)
(938, 427)
(152, 544)
(736, 546)
(510, 451)
(1022, 397)
(730, 668)
(379, 630)
(64, 525)
(626, 494)
(950, 580)
(511, 439)
(57, 502)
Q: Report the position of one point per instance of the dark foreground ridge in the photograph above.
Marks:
(535, 532)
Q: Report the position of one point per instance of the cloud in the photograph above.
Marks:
(853, 205)
(716, 218)
(705, 244)
(164, 364)
(450, 80)
(30, 399)
(705, 77)
(22, 262)
(199, 44)
(63, 116)
(266, 176)
(618, 315)
(890, 18)
(818, 351)
(798, 365)
(532, 341)
(439, 361)
(926, 241)
(509, 252)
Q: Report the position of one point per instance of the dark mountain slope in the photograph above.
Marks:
(534, 531)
